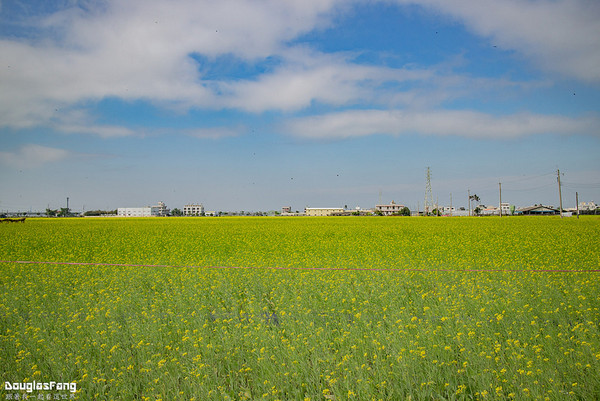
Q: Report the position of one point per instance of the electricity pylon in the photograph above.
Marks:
(428, 196)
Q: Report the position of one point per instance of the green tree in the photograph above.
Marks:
(474, 198)
(99, 212)
(176, 212)
(405, 211)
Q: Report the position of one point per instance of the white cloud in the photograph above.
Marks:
(557, 35)
(472, 124)
(308, 77)
(154, 28)
(141, 50)
(31, 156)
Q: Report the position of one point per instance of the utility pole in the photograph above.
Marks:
(577, 203)
(500, 188)
(67, 205)
(451, 214)
(559, 193)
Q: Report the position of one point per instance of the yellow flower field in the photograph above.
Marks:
(316, 308)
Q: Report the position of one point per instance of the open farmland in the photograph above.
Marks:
(319, 308)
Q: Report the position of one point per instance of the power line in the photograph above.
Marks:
(529, 188)
(580, 185)
(528, 177)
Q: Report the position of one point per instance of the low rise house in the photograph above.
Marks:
(587, 206)
(193, 210)
(390, 209)
(538, 210)
(489, 211)
(162, 209)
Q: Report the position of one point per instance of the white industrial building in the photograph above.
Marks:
(193, 210)
(323, 211)
(147, 211)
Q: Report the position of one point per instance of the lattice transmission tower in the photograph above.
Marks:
(428, 195)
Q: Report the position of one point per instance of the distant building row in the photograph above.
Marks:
(161, 210)
(393, 208)
(386, 210)
(390, 209)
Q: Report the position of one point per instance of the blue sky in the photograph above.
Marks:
(258, 104)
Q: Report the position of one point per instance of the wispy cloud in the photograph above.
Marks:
(471, 124)
(104, 131)
(307, 76)
(556, 35)
(32, 156)
(216, 132)
(80, 121)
